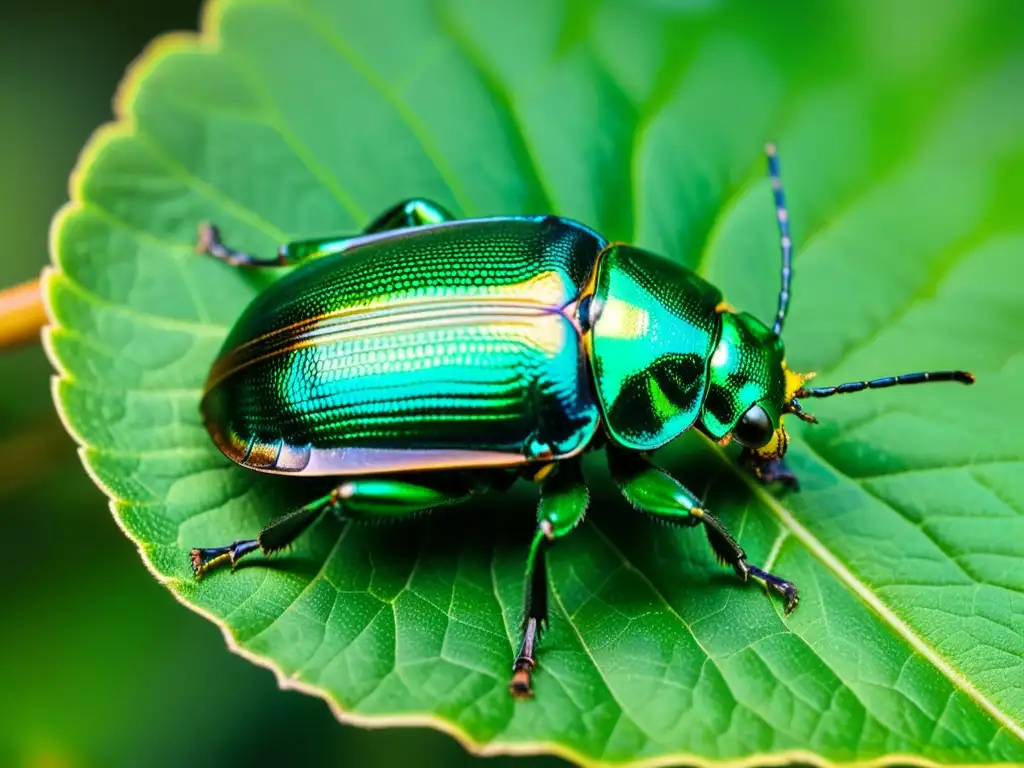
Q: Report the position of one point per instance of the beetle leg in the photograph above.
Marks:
(364, 499)
(414, 212)
(210, 244)
(563, 504)
(276, 535)
(768, 472)
(657, 493)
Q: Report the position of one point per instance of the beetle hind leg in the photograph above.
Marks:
(414, 212)
(203, 559)
(360, 499)
(209, 243)
(277, 535)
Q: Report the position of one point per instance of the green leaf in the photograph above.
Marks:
(902, 154)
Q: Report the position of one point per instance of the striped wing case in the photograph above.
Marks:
(441, 346)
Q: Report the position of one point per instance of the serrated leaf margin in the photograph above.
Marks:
(208, 38)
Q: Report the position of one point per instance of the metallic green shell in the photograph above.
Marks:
(654, 326)
(448, 345)
(746, 368)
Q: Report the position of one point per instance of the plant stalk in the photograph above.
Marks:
(21, 314)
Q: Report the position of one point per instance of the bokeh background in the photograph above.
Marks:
(98, 664)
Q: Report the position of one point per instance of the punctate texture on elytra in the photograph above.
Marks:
(646, 122)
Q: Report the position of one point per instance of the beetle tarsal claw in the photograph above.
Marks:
(521, 686)
(196, 557)
(207, 237)
(792, 603)
(204, 559)
(788, 591)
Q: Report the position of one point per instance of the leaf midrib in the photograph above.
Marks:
(826, 557)
(655, 590)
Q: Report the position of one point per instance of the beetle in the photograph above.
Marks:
(427, 360)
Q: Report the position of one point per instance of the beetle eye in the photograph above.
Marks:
(755, 429)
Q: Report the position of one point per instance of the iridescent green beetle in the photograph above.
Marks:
(429, 360)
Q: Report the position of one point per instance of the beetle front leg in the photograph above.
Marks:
(563, 504)
(363, 499)
(657, 493)
(414, 212)
(770, 471)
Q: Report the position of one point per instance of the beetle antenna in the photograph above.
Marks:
(786, 242)
(889, 381)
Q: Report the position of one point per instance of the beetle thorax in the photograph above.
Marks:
(655, 324)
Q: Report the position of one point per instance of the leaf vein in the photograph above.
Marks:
(205, 189)
(832, 563)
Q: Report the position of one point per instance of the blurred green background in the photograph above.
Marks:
(93, 650)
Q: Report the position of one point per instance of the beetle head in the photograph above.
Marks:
(750, 389)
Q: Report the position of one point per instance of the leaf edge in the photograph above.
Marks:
(123, 124)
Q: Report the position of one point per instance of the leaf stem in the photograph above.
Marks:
(21, 314)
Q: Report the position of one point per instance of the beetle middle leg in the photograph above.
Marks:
(563, 504)
(414, 212)
(360, 499)
(660, 495)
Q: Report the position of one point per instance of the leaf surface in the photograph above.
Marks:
(645, 120)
